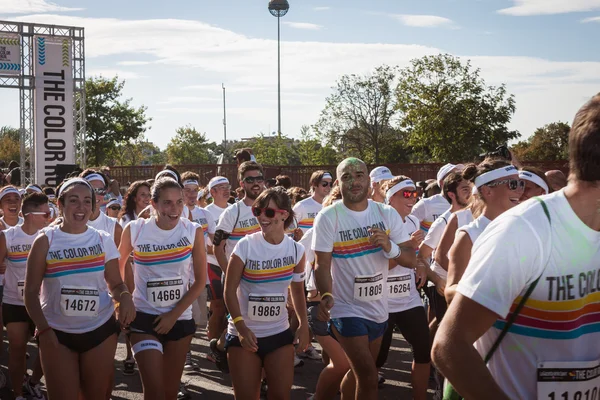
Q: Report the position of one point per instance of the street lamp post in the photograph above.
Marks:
(278, 8)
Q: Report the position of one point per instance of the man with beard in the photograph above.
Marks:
(355, 242)
(234, 223)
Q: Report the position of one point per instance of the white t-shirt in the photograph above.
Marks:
(401, 287)
(561, 319)
(359, 269)
(74, 295)
(247, 224)
(305, 212)
(427, 210)
(475, 228)
(263, 289)
(104, 223)
(309, 259)
(205, 220)
(161, 265)
(18, 245)
(214, 212)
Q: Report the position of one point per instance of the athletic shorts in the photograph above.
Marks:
(266, 345)
(437, 303)
(316, 326)
(356, 326)
(83, 342)
(144, 323)
(1, 293)
(216, 284)
(13, 313)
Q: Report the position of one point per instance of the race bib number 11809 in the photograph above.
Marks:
(570, 380)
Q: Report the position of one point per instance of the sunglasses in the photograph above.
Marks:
(269, 212)
(513, 184)
(325, 184)
(45, 214)
(252, 179)
(114, 208)
(100, 192)
(407, 194)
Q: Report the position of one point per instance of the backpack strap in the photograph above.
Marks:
(512, 318)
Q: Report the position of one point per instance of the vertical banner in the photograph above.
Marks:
(54, 128)
(10, 54)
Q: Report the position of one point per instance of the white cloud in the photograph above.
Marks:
(547, 7)
(322, 8)
(31, 6)
(188, 99)
(424, 21)
(110, 72)
(303, 25)
(592, 19)
(133, 63)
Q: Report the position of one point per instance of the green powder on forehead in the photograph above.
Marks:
(352, 164)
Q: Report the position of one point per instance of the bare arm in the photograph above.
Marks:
(36, 268)
(121, 295)
(199, 268)
(441, 253)
(453, 352)
(460, 255)
(3, 252)
(323, 272)
(125, 249)
(118, 234)
(220, 255)
(299, 301)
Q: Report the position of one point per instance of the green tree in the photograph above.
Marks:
(10, 145)
(138, 151)
(548, 143)
(358, 117)
(447, 111)
(110, 119)
(311, 151)
(273, 150)
(189, 146)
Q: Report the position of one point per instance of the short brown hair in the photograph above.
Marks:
(33, 201)
(540, 173)
(190, 175)
(283, 181)
(281, 199)
(297, 194)
(317, 177)
(248, 166)
(451, 182)
(584, 142)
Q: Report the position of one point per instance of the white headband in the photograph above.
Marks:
(112, 201)
(51, 197)
(34, 188)
(398, 187)
(495, 174)
(8, 191)
(219, 181)
(327, 175)
(72, 182)
(531, 177)
(172, 174)
(95, 177)
(190, 182)
(200, 194)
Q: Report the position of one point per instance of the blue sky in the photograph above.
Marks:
(175, 55)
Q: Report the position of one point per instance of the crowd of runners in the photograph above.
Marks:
(488, 271)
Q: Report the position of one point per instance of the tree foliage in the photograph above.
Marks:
(448, 112)
(110, 119)
(189, 146)
(358, 117)
(548, 143)
(10, 145)
(139, 151)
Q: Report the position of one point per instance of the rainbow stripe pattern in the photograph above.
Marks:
(162, 257)
(239, 233)
(17, 257)
(355, 248)
(425, 225)
(268, 275)
(306, 223)
(558, 320)
(78, 265)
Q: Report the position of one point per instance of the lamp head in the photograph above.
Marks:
(278, 8)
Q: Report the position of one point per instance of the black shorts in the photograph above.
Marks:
(437, 303)
(1, 293)
(214, 280)
(318, 327)
(84, 342)
(12, 313)
(266, 345)
(144, 323)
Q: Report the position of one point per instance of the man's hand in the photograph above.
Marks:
(380, 238)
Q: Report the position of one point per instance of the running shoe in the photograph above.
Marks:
(220, 357)
(311, 353)
(183, 394)
(189, 364)
(34, 391)
(380, 379)
(297, 361)
(264, 388)
(129, 367)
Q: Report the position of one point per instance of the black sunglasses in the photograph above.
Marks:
(100, 191)
(114, 208)
(325, 184)
(269, 212)
(513, 184)
(252, 179)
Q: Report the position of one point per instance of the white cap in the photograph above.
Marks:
(445, 170)
(217, 180)
(380, 173)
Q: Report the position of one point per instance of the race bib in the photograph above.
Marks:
(265, 307)
(164, 292)
(570, 380)
(21, 289)
(368, 288)
(79, 301)
(398, 286)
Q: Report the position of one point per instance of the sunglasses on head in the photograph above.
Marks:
(252, 179)
(45, 214)
(325, 184)
(101, 192)
(269, 212)
(513, 184)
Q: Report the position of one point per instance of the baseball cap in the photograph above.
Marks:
(380, 173)
(445, 170)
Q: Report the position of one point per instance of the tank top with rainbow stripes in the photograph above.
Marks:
(74, 295)
(18, 244)
(161, 263)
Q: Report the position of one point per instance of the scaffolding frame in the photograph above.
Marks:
(25, 82)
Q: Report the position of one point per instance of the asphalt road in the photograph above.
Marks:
(210, 383)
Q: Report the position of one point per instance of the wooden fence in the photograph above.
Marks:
(300, 175)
